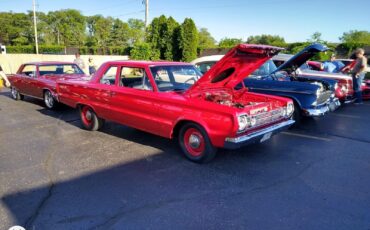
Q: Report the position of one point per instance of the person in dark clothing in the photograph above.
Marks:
(358, 74)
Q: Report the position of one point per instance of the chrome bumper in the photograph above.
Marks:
(334, 104)
(317, 111)
(258, 136)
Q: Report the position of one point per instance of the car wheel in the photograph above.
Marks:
(15, 94)
(195, 143)
(49, 100)
(90, 120)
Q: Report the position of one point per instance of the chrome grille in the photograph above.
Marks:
(323, 97)
(269, 117)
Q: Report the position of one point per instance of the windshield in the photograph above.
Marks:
(264, 70)
(60, 69)
(175, 77)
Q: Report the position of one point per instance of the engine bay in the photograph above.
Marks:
(231, 99)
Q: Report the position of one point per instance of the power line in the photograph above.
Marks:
(107, 8)
(136, 12)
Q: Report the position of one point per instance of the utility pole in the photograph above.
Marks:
(146, 12)
(35, 26)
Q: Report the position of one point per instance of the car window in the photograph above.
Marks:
(109, 77)
(60, 69)
(136, 78)
(175, 77)
(264, 70)
(204, 66)
(29, 70)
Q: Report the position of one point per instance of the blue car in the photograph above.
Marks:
(312, 96)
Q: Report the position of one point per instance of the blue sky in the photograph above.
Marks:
(295, 20)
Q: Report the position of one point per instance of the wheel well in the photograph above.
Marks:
(295, 101)
(176, 129)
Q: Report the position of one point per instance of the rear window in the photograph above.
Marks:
(60, 69)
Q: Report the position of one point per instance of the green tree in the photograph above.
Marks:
(137, 30)
(100, 29)
(229, 42)
(354, 39)
(16, 29)
(120, 34)
(316, 38)
(189, 40)
(143, 51)
(71, 25)
(205, 39)
(355, 36)
(163, 35)
(267, 39)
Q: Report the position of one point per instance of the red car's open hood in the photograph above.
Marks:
(236, 65)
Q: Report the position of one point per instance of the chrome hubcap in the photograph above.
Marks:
(14, 93)
(49, 101)
(88, 115)
(194, 141)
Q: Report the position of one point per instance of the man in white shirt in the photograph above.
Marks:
(78, 61)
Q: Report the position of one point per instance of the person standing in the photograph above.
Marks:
(78, 61)
(358, 74)
(92, 66)
(329, 66)
(3, 77)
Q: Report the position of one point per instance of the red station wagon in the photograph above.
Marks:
(38, 80)
(168, 99)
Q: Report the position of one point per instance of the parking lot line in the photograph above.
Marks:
(307, 136)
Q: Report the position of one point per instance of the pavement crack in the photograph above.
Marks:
(31, 219)
(51, 185)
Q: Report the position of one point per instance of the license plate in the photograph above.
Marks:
(265, 137)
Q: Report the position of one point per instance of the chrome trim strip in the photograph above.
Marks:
(259, 132)
(283, 91)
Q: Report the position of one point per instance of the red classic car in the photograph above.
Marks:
(167, 99)
(366, 90)
(38, 80)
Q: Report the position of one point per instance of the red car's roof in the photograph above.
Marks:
(48, 63)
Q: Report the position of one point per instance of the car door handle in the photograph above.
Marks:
(111, 93)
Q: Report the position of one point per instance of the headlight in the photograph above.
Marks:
(253, 121)
(289, 109)
(243, 122)
(336, 85)
(318, 92)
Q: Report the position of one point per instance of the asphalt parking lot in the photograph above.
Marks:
(55, 175)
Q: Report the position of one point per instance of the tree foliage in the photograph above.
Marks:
(143, 51)
(355, 36)
(189, 40)
(229, 42)
(205, 39)
(267, 39)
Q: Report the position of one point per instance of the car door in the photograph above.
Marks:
(36, 84)
(100, 94)
(27, 75)
(133, 99)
